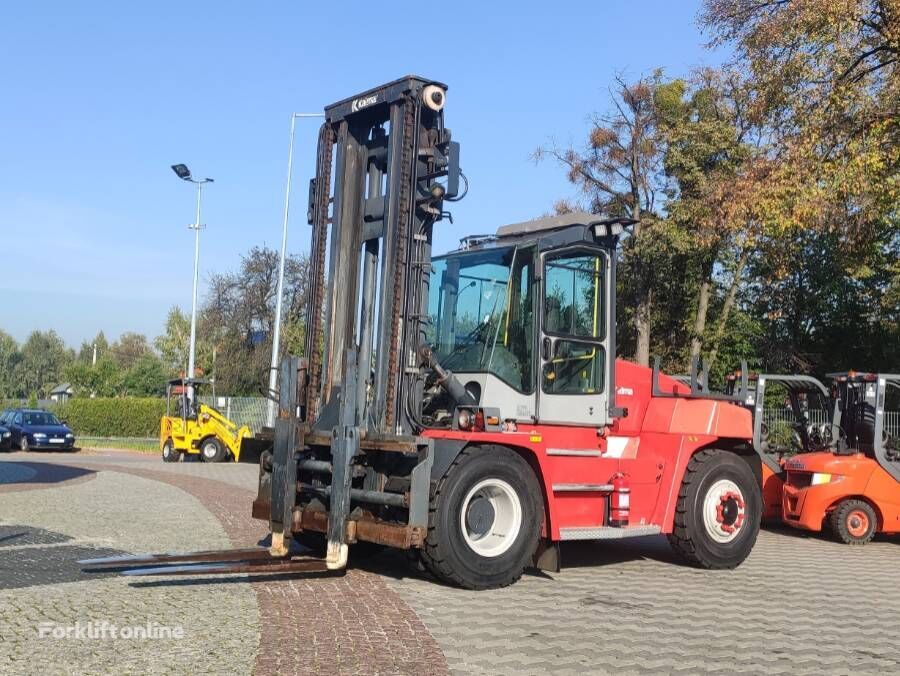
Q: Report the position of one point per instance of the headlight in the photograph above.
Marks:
(6, 434)
(819, 478)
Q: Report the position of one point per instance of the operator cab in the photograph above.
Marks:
(525, 319)
(182, 397)
(791, 414)
(870, 416)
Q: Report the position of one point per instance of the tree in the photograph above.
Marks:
(103, 379)
(129, 348)
(716, 160)
(86, 352)
(826, 74)
(147, 377)
(826, 86)
(174, 344)
(618, 173)
(9, 360)
(44, 355)
(237, 319)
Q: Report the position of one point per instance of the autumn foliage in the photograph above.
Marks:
(767, 191)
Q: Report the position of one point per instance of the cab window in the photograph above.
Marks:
(574, 314)
(573, 296)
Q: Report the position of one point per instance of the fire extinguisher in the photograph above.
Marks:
(619, 501)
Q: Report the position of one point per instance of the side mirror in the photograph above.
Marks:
(546, 347)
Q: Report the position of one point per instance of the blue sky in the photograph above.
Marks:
(98, 99)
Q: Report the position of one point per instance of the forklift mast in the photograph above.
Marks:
(386, 149)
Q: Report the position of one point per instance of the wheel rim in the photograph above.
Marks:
(491, 517)
(724, 510)
(210, 450)
(858, 523)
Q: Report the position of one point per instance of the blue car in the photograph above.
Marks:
(35, 428)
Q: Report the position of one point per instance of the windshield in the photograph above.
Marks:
(39, 418)
(481, 309)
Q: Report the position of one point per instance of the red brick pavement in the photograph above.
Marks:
(352, 624)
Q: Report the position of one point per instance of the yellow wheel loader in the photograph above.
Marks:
(192, 428)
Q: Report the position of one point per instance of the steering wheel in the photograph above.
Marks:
(473, 337)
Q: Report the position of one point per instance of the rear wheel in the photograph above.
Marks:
(718, 511)
(169, 454)
(854, 522)
(213, 450)
(484, 520)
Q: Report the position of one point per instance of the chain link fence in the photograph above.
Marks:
(249, 411)
(781, 420)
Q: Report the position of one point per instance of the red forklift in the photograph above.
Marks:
(469, 407)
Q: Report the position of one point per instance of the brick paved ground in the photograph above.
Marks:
(798, 605)
(347, 625)
(47, 531)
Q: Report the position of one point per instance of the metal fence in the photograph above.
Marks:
(784, 417)
(249, 411)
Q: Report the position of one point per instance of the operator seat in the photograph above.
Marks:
(865, 428)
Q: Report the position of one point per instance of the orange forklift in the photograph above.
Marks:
(855, 486)
(792, 414)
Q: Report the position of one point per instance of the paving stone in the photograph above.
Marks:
(800, 604)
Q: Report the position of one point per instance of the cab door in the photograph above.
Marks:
(574, 337)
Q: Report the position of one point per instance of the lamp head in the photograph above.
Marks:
(182, 172)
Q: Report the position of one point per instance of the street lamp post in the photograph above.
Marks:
(184, 174)
(279, 293)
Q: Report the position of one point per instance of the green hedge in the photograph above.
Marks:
(120, 417)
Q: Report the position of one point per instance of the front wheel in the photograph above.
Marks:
(718, 511)
(213, 450)
(484, 520)
(23, 443)
(854, 522)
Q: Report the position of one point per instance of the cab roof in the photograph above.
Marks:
(559, 230)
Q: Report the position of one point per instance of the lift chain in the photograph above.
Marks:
(315, 310)
(406, 162)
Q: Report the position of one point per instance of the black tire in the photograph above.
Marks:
(854, 522)
(448, 555)
(23, 443)
(213, 450)
(728, 541)
(169, 454)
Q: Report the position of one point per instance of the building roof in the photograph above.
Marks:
(62, 388)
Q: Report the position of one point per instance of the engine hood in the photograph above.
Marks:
(829, 463)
